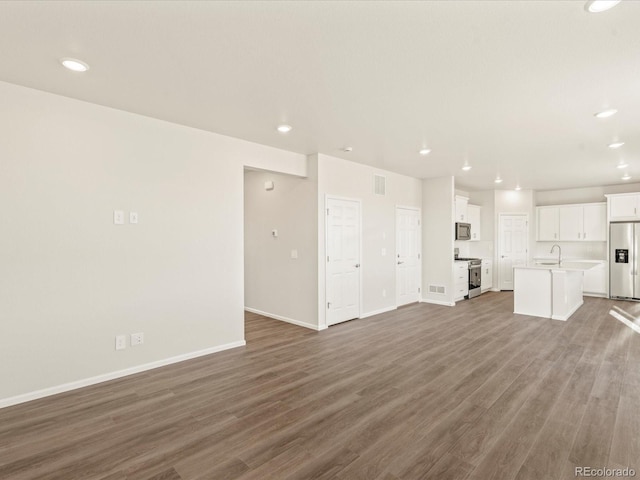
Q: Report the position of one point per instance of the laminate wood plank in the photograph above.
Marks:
(169, 474)
(435, 438)
(510, 450)
(422, 392)
(485, 431)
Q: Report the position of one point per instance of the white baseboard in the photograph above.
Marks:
(378, 312)
(438, 302)
(598, 295)
(566, 317)
(284, 319)
(85, 382)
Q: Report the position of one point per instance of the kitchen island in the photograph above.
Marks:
(550, 291)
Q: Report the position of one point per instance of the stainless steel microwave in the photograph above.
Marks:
(463, 231)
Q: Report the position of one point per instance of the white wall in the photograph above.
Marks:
(437, 238)
(342, 178)
(582, 195)
(276, 284)
(71, 279)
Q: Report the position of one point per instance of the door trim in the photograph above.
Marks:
(395, 270)
(328, 197)
(498, 250)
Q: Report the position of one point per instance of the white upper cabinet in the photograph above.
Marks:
(462, 214)
(595, 222)
(624, 206)
(573, 223)
(473, 215)
(548, 224)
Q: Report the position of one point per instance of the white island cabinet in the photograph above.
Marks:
(549, 291)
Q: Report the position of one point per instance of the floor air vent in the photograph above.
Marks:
(436, 289)
(379, 185)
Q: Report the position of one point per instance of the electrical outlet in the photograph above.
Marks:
(121, 342)
(137, 339)
(133, 217)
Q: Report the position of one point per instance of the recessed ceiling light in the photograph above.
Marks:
(518, 188)
(626, 176)
(498, 179)
(606, 113)
(425, 151)
(622, 165)
(74, 64)
(616, 144)
(347, 149)
(597, 6)
(466, 167)
(284, 128)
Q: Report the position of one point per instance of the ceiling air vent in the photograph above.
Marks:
(379, 185)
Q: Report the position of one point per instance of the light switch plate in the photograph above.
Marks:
(118, 217)
(384, 252)
(133, 217)
(121, 342)
(294, 254)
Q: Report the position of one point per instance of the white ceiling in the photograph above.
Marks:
(509, 86)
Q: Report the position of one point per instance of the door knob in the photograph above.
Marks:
(400, 263)
(357, 265)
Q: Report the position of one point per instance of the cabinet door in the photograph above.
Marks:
(473, 213)
(623, 207)
(595, 281)
(486, 280)
(461, 209)
(571, 222)
(595, 223)
(547, 223)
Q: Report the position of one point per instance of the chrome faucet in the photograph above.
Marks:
(559, 253)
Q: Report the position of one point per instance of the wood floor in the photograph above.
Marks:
(424, 392)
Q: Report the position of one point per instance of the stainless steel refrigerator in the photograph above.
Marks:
(624, 256)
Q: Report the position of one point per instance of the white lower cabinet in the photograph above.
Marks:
(461, 280)
(486, 279)
(595, 281)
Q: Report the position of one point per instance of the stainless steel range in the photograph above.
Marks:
(475, 275)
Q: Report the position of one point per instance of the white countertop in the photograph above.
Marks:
(567, 266)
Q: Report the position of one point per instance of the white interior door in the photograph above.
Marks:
(343, 260)
(408, 248)
(513, 235)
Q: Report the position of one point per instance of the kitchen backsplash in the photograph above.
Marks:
(578, 250)
(481, 249)
(581, 250)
